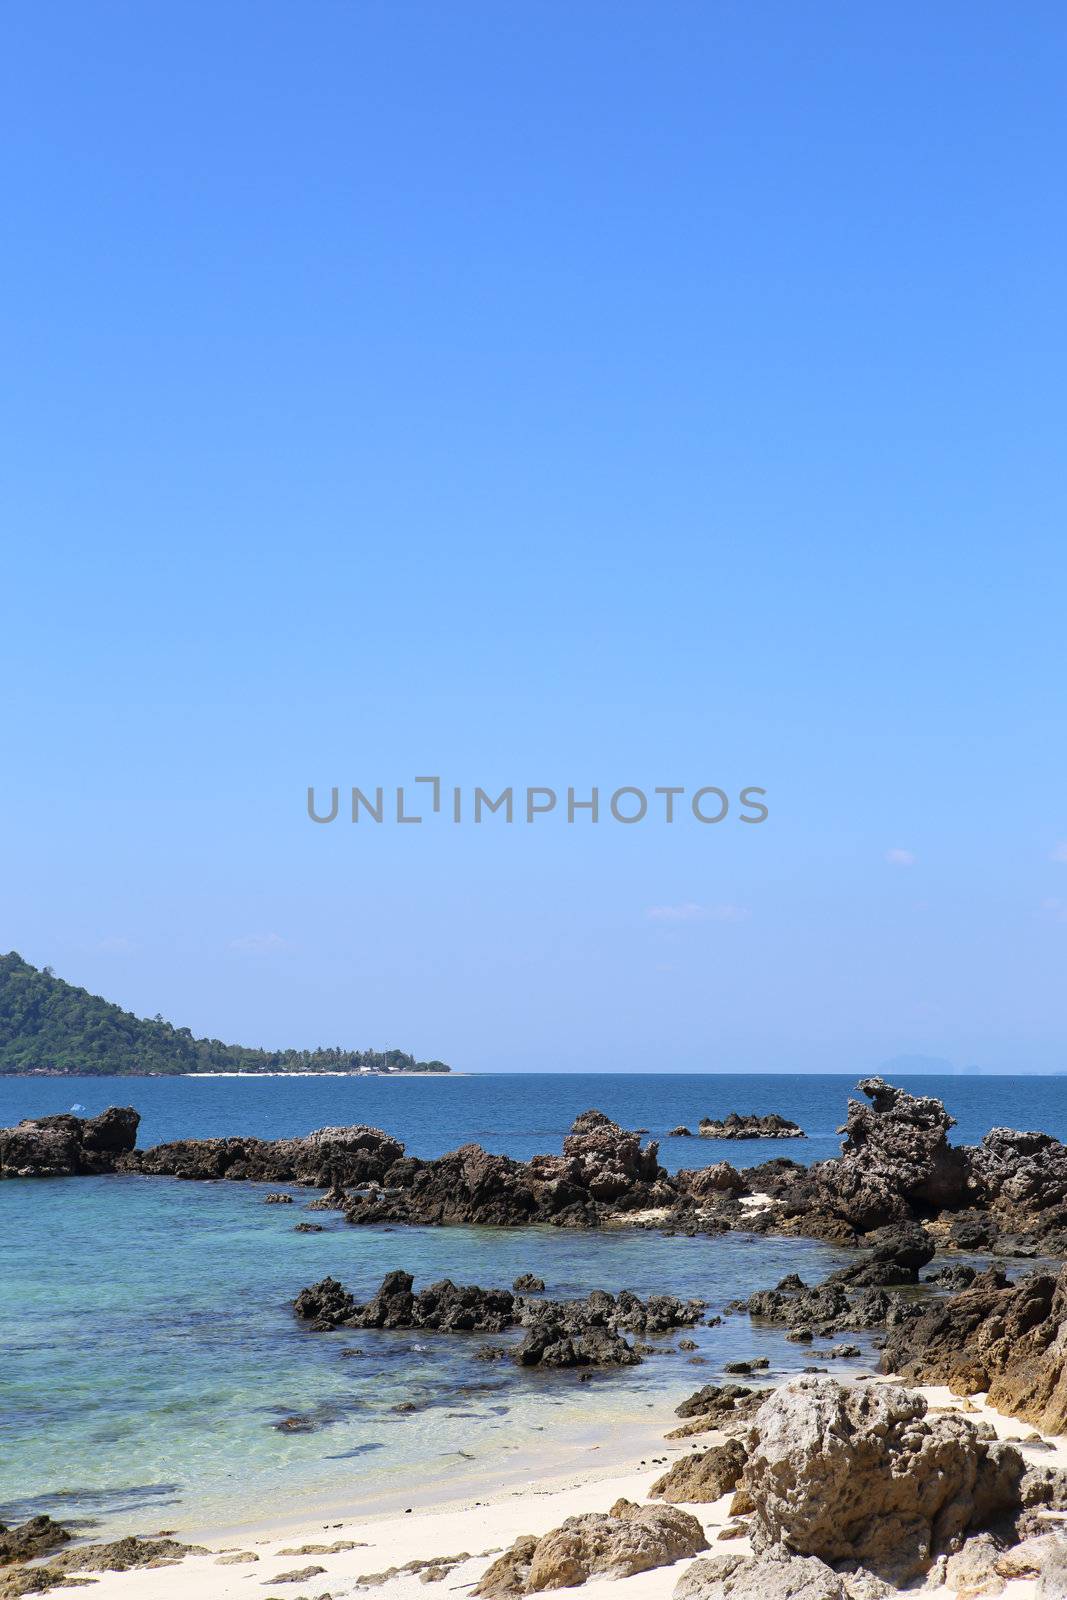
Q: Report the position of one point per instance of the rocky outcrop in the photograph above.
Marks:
(528, 1283)
(66, 1146)
(861, 1473)
(323, 1159)
(1008, 1339)
(444, 1306)
(703, 1476)
(615, 1544)
(560, 1333)
(771, 1126)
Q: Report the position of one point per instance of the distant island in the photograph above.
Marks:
(53, 1029)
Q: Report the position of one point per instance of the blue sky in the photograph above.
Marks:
(541, 394)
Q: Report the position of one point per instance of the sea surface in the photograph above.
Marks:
(148, 1349)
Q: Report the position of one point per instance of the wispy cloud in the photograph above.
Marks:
(1059, 853)
(259, 943)
(690, 911)
(900, 858)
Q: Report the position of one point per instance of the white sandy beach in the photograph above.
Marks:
(481, 1527)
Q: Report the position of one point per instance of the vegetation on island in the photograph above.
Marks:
(51, 1027)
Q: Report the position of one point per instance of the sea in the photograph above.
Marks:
(148, 1349)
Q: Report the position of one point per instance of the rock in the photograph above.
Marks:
(897, 1253)
(236, 1558)
(972, 1570)
(616, 1544)
(739, 1577)
(326, 1304)
(771, 1126)
(31, 1539)
(1052, 1580)
(680, 1132)
(955, 1278)
(721, 1403)
(323, 1549)
(121, 1555)
(1008, 1339)
(65, 1146)
(714, 1182)
(859, 1472)
(702, 1477)
(277, 1199)
(298, 1575)
(490, 1352)
(309, 1227)
(431, 1569)
(528, 1283)
(327, 1158)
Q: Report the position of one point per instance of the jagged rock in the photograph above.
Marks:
(31, 1539)
(714, 1182)
(704, 1476)
(1010, 1340)
(897, 1252)
(955, 1278)
(972, 1570)
(528, 1283)
(298, 1575)
(721, 1402)
(327, 1158)
(1052, 1579)
(326, 1304)
(552, 1341)
(771, 1126)
(123, 1554)
(65, 1146)
(895, 1163)
(277, 1199)
(616, 1544)
(859, 1472)
(680, 1132)
(739, 1577)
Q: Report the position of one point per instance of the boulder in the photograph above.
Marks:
(528, 1283)
(703, 1476)
(31, 1539)
(616, 1544)
(859, 1472)
(739, 1577)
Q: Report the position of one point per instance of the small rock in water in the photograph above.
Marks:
(277, 1199)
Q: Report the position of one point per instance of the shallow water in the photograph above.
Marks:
(147, 1346)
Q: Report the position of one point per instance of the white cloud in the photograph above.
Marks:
(689, 911)
(900, 858)
(1059, 853)
(260, 943)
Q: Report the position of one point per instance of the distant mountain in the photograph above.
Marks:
(48, 1026)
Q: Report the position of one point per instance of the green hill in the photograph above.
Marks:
(48, 1026)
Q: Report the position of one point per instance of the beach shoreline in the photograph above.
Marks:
(478, 1525)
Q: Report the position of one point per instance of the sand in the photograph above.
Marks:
(480, 1527)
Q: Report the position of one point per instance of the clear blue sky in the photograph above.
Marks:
(541, 393)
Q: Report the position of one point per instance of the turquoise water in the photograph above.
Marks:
(147, 1348)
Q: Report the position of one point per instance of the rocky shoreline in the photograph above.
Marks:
(1006, 1196)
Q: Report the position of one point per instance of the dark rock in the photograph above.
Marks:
(65, 1146)
(277, 1199)
(31, 1539)
(1008, 1339)
(771, 1126)
(528, 1283)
